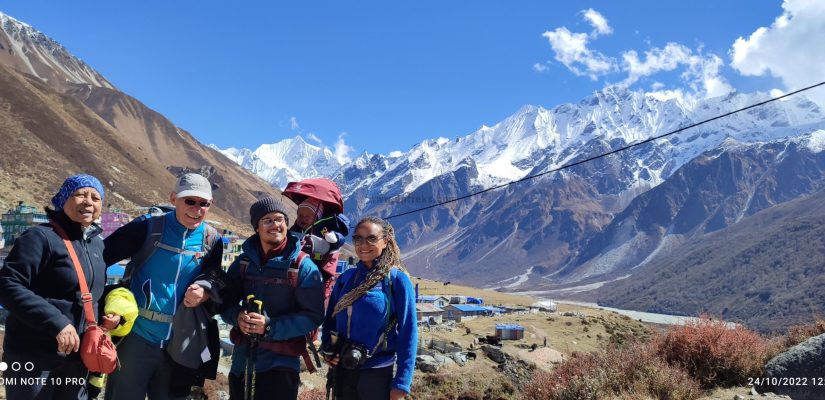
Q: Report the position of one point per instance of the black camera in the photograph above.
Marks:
(353, 355)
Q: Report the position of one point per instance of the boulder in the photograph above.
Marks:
(428, 366)
(459, 358)
(494, 353)
(791, 373)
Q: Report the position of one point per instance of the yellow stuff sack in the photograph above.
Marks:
(122, 302)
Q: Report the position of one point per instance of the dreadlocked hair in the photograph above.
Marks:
(390, 257)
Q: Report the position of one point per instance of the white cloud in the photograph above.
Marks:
(656, 60)
(311, 136)
(598, 22)
(343, 150)
(789, 49)
(572, 51)
(293, 124)
(776, 92)
(396, 154)
(702, 73)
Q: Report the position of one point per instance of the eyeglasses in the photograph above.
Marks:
(271, 221)
(204, 204)
(371, 239)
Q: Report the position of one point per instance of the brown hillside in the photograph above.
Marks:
(47, 136)
(174, 148)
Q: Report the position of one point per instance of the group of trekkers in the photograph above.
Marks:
(161, 314)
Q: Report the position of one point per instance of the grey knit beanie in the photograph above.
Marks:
(265, 206)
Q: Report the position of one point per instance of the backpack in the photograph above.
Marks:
(154, 234)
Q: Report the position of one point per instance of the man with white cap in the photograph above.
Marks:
(165, 252)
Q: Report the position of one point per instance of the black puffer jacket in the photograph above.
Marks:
(40, 289)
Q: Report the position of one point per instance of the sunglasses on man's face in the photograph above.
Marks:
(371, 239)
(203, 204)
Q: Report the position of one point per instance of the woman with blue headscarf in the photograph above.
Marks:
(39, 287)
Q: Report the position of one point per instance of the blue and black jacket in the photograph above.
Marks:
(369, 318)
(160, 283)
(292, 311)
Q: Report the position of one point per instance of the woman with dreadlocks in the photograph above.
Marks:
(371, 326)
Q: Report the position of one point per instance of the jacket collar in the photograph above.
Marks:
(252, 249)
(73, 229)
(177, 227)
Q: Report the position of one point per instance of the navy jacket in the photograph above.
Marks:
(292, 312)
(40, 289)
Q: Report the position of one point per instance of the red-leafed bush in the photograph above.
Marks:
(800, 333)
(633, 371)
(713, 352)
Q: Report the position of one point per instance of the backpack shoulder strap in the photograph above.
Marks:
(295, 269)
(154, 232)
(243, 265)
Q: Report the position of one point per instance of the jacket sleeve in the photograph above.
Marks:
(309, 304)
(125, 241)
(30, 254)
(406, 346)
(212, 277)
(232, 293)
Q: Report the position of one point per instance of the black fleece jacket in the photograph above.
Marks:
(40, 289)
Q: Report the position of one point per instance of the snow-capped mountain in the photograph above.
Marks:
(535, 140)
(29, 50)
(285, 161)
(549, 229)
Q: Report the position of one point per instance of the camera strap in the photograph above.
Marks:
(383, 338)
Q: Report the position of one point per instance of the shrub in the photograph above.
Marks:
(630, 372)
(714, 353)
(800, 333)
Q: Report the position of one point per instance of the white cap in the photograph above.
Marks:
(193, 185)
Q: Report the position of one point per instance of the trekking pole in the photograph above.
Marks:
(331, 382)
(252, 306)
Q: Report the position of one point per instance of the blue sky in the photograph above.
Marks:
(380, 76)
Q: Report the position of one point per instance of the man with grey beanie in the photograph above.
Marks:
(269, 343)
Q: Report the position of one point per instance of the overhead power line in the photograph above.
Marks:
(566, 166)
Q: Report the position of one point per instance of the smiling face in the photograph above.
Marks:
(370, 241)
(272, 230)
(84, 206)
(191, 210)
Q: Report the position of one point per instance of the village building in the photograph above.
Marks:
(509, 331)
(19, 219)
(460, 312)
(429, 314)
(231, 248)
(111, 220)
(438, 301)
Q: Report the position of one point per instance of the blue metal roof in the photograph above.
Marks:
(469, 308)
(428, 297)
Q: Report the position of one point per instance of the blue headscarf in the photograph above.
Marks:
(71, 184)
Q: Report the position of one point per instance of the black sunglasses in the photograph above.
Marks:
(371, 239)
(190, 202)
